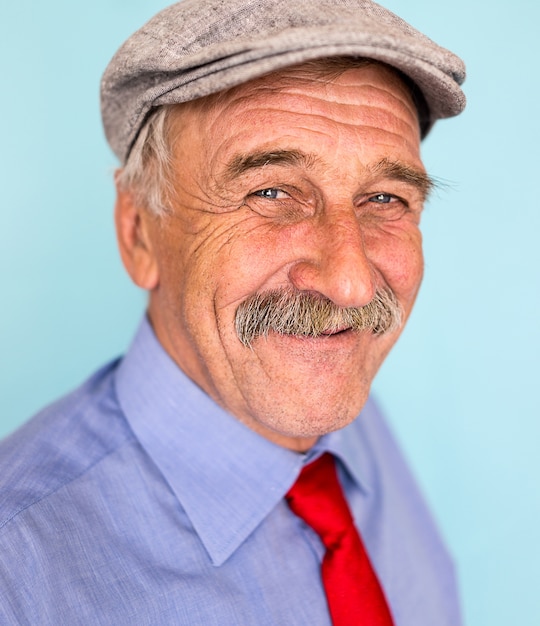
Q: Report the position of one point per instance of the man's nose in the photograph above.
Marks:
(334, 262)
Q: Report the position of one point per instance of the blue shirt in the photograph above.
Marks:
(138, 500)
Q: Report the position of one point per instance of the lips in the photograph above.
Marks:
(338, 331)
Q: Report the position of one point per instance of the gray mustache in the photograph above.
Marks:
(289, 312)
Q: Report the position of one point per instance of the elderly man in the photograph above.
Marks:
(269, 202)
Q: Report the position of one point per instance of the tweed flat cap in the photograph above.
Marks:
(198, 47)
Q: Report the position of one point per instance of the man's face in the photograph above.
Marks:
(315, 186)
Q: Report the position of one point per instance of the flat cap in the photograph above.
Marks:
(198, 47)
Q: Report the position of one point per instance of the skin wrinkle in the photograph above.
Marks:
(367, 109)
(236, 101)
(372, 92)
(221, 245)
(310, 85)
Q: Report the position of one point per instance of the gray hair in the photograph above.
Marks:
(147, 172)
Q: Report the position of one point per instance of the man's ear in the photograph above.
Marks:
(133, 233)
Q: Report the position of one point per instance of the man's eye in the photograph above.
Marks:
(271, 194)
(383, 198)
(386, 207)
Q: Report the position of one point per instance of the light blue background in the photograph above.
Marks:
(461, 388)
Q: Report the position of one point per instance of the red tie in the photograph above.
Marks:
(354, 594)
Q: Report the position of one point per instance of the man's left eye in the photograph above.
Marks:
(271, 194)
(383, 198)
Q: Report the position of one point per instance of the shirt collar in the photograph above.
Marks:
(226, 477)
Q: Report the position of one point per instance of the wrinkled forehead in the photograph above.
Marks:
(317, 112)
(306, 78)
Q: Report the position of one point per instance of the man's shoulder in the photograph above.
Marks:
(61, 443)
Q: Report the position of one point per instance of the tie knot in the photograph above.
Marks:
(317, 498)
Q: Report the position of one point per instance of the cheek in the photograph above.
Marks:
(193, 260)
(255, 259)
(399, 258)
(186, 280)
(205, 276)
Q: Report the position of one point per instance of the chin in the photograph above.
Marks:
(313, 422)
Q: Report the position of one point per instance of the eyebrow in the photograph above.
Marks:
(401, 172)
(242, 163)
